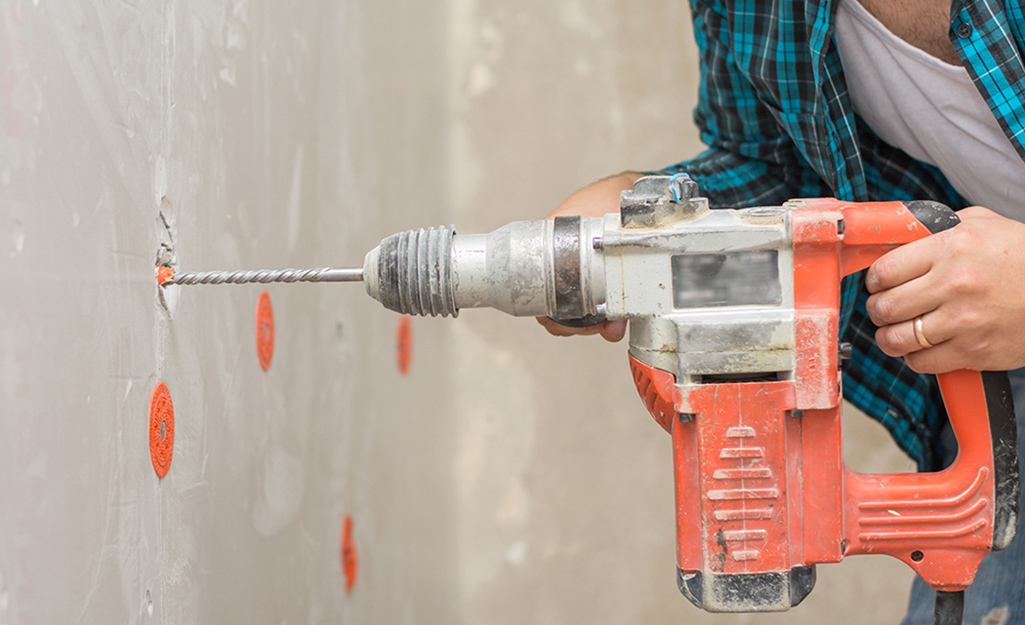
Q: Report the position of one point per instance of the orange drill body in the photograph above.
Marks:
(762, 493)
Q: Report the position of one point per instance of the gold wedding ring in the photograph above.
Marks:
(920, 334)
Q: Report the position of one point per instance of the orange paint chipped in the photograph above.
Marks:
(161, 429)
(164, 274)
(350, 560)
(264, 330)
(404, 342)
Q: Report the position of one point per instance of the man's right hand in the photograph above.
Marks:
(595, 200)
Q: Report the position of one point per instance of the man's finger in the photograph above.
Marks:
(901, 265)
(613, 331)
(900, 339)
(905, 301)
(939, 359)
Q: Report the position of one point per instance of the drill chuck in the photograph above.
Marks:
(411, 272)
(526, 268)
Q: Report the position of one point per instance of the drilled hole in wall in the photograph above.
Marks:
(167, 260)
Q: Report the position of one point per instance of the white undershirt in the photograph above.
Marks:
(930, 109)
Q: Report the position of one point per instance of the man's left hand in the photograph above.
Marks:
(968, 286)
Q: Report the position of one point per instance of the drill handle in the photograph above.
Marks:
(987, 459)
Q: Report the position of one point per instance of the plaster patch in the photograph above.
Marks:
(281, 488)
(18, 239)
(234, 36)
(480, 81)
(228, 72)
(517, 554)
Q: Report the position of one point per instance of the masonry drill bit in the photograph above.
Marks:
(263, 276)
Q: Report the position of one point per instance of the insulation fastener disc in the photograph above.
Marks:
(161, 429)
(264, 330)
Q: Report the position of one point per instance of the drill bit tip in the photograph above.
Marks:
(263, 276)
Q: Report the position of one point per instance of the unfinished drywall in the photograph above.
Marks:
(483, 473)
(235, 133)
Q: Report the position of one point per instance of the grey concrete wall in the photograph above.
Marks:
(243, 134)
(508, 478)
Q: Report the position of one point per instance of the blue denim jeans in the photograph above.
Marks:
(998, 595)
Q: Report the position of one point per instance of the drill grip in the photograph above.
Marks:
(937, 217)
(870, 231)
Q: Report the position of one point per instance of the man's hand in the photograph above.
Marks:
(595, 200)
(968, 286)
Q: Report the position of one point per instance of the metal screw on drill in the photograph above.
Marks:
(683, 188)
(845, 351)
(263, 276)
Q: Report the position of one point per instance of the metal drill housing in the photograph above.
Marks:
(526, 268)
(615, 267)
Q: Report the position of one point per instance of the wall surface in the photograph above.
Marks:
(230, 134)
(506, 477)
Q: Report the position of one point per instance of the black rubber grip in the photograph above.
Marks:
(949, 608)
(933, 215)
(1004, 436)
(1002, 426)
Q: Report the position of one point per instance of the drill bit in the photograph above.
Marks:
(263, 276)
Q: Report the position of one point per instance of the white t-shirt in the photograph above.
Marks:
(930, 109)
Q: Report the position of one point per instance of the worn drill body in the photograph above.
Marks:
(734, 319)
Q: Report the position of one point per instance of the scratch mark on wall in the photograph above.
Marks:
(192, 490)
(295, 196)
(128, 5)
(160, 183)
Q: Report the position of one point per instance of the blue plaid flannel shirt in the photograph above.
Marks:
(774, 110)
